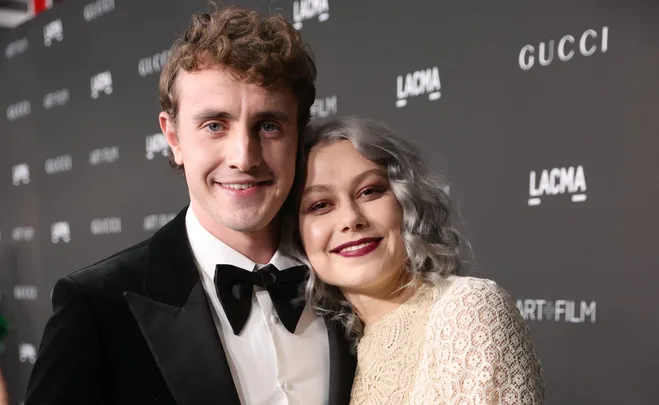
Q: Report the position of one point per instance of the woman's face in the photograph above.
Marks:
(350, 220)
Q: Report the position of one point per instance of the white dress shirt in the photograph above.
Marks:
(269, 364)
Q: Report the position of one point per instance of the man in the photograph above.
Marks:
(207, 310)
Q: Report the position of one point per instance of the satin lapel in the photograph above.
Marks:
(175, 318)
(342, 364)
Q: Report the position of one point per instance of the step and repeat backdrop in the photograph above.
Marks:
(543, 116)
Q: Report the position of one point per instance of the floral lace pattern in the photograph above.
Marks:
(464, 343)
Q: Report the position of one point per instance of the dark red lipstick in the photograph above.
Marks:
(370, 244)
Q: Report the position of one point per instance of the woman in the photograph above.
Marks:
(374, 226)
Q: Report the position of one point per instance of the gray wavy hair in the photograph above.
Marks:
(432, 245)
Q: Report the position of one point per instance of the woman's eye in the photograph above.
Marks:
(369, 191)
(318, 206)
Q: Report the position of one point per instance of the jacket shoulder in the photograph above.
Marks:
(120, 268)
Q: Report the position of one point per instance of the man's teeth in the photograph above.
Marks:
(355, 247)
(243, 186)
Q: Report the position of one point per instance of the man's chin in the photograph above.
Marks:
(245, 222)
(241, 216)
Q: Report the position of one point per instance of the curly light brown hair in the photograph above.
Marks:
(266, 51)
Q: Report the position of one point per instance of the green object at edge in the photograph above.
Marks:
(4, 328)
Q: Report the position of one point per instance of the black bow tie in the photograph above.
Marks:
(234, 287)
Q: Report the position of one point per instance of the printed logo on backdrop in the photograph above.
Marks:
(419, 83)
(557, 181)
(156, 144)
(108, 154)
(101, 83)
(27, 353)
(53, 31)
(22, 234)
(25, 293)
(60, 232)
(153, 64)
(324, 107)
(16, 48)
(304, 10)
(558, 311)
(97, 9)
(20, 174)
(19, 110)
(59, 164)
(105, 226)
(566, 48)
(56, 98)
(156, 221)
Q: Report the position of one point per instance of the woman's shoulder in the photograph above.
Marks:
(483, 343)
(465, 287)
(473, 302)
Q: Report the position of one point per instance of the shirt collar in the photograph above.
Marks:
(209, 251)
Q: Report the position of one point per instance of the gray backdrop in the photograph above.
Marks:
(543, 115)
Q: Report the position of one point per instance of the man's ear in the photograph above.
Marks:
(168, 127)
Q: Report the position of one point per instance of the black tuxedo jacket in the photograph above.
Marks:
(136, 328)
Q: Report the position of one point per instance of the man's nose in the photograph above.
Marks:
(244, 152)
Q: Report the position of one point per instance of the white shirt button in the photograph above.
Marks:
(274, 319)
(285, 386)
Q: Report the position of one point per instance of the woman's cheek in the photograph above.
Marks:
(318, 234)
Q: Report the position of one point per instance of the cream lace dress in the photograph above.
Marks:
(464, 343)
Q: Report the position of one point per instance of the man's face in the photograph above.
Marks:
(238, 144)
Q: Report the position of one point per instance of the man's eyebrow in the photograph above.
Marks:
(270, 115)
(273, 115)
(209, 114)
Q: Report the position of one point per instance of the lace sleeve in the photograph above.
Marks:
(480, 350)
